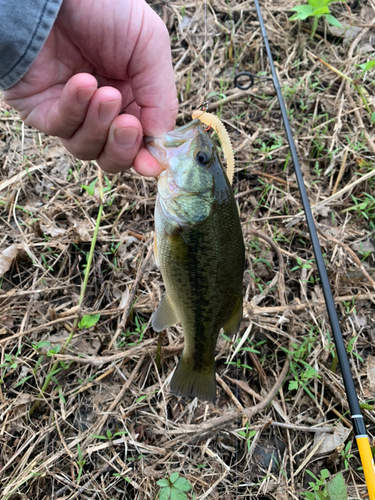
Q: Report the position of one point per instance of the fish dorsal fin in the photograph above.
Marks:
(232, 325)
(165, 315)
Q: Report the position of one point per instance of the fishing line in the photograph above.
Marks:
(205, 47)
(356, 416)
(237, 390)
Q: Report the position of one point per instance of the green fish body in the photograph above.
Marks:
(200, 251)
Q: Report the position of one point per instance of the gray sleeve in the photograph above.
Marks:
(24, 28)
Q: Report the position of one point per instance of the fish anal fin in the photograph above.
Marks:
(232, 325)
(189, 382)
(165, 315)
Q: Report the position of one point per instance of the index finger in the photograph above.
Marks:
(153, 82)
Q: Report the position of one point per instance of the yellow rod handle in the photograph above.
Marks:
(368, 464)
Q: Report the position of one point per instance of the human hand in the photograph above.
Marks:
(102, 58)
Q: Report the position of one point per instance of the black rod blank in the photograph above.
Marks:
(358, 423)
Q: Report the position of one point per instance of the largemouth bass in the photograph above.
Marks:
(200, 250)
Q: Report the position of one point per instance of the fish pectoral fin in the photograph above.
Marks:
(232, 325)
(238, 207)
(165, 315)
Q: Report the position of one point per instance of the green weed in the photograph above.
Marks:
(80, 463)
(364, 207)
(88, 321)
(350, 348)
(174, 487)
(303, 265)
(10, 363)
(91, 187)
(322, 489)
(315, 9)
(302, 372)
(346, 455)
(138, 331)
(247, 434)
(109, 436)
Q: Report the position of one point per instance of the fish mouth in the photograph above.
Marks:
(163, 147)
(178, 135)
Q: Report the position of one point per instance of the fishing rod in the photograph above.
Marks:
(355, 411)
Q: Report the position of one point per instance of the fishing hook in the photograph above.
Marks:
(204, 106)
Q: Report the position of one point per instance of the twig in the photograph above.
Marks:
(229, 392)
(18, 177)
(252, 311)
(128, 353)
(341, 172)
(339, 193)
(350, 251)
(131, 298)
(302, 427)
(80, 301)
(98, 427)
(218, 422)
(281, 272)
(276, 179)
(243, 385)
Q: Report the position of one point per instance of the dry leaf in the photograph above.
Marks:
(82, 228)
(348, 32)
(332, 440)
(363, 247)
(369, 370)
(6, 258)
(124, 298)
(6, 321)
(359, 320)
(52, 230)
(87, 346)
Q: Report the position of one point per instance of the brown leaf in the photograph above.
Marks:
(6, 258)
(52, 230)
(6, 321)
(332, 440)
(369, 370)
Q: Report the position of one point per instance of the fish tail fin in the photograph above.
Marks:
(189, 382)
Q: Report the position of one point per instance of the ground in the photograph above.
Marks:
(107, 426)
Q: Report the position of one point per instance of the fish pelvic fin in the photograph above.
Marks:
(165, 315)
(189, 382)
(156, 250)
(233, 324)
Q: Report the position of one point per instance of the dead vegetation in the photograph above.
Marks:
(107, 427)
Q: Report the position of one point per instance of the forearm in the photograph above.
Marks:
(25, 26)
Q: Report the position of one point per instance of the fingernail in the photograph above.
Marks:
(84, 94)
(126, 137)
(108, 110)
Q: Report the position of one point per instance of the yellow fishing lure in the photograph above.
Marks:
(218, 126)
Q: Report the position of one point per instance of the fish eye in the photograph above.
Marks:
(203, 158)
